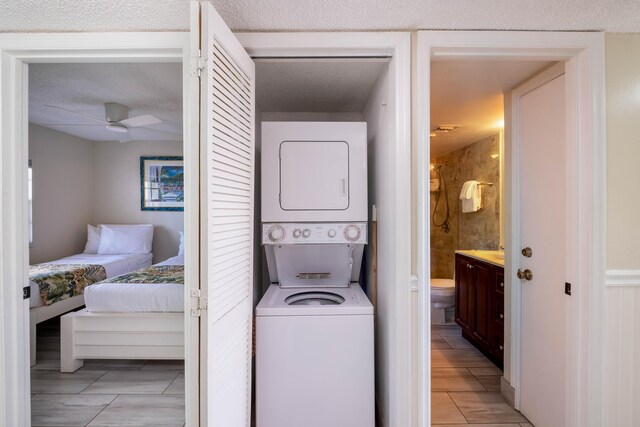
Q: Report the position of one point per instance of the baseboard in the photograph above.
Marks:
(379, 416)
(507, 391)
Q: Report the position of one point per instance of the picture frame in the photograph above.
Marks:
(162, 183)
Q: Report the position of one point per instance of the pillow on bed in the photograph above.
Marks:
(93, 239)
(181, 247)
(126, 239)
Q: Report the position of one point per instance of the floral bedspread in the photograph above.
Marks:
(61, 281)
(152, 275)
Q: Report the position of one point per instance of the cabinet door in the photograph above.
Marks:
(497, 299)
(465, 278)
(483, 285)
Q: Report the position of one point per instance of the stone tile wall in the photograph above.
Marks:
(477, 230)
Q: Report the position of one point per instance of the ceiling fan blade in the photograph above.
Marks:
(76, 113)
(69, 124)
(124, 137)
(145, 120)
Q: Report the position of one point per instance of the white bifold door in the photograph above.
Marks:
(226, 220)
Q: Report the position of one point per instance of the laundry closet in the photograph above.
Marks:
(345, 197)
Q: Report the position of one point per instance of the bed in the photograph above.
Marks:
(138, 315)
(58, 287)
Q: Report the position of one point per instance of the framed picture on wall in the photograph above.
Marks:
(162, 183)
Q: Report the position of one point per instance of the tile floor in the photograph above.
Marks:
(103, 392)
(465, 385)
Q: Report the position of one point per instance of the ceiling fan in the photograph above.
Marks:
(117, 119)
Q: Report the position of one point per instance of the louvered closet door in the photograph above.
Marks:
(227, 202)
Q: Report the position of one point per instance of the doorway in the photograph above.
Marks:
(163, 48)
(465, 46)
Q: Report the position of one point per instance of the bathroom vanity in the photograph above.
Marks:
(479, 281)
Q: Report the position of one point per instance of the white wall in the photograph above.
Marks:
(380, 148)
(117, 191)
(621, 375)
(62, 193)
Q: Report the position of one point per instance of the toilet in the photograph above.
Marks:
(443, 292)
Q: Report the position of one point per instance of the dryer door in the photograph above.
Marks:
(314, 175)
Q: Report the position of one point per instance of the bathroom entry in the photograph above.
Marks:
(469, 311)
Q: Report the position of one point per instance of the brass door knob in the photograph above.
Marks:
(526, 275)
(527, 252)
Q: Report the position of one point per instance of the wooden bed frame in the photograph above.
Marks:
(86, 335)
(46, 312)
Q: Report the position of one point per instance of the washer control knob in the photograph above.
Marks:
(352, 232)
(297, 233)
(276, 233)
(332, 233)
(306, 232)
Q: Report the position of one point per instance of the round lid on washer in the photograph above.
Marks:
(443, 283)
(314, 298)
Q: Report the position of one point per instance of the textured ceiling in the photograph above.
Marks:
(469, 94)
(325, 15)
(145, 88)
(313, 86)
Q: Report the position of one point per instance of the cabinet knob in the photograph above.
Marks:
(470, 267)
(501, 316)
(501, 348)
(502, 284)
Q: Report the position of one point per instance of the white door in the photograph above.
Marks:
(226, 219)
(543, 171)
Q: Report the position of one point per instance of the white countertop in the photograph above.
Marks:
(492, 257)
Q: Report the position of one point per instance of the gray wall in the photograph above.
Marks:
(476, 230)
(78, 182)
(117, 192)
(62, 193)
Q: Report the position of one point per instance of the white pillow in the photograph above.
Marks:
(93, 239)
(181, 247)
(126, 239)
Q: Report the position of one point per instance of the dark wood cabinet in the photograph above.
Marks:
(480, 305)
(465, 282)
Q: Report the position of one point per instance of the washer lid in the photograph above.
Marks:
(279, 301)
(443, 283)
(314, 265)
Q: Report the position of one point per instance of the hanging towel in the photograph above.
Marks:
(471, 196)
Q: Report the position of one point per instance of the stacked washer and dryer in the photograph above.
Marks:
(314, 325)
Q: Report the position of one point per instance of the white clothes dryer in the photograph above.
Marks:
(314, 171)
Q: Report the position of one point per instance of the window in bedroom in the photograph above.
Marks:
(30, 198)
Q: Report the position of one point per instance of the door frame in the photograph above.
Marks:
(16, 52)
(584, 56)
(395, 409)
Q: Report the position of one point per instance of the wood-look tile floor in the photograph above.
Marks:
(103, 392)
(465, 385)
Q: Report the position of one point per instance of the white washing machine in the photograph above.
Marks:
(314, 171)
(314, 330)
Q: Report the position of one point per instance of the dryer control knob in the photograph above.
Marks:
(276, 233)
(332, 233)
(297, 233)
(352, 232)
(306, 232)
